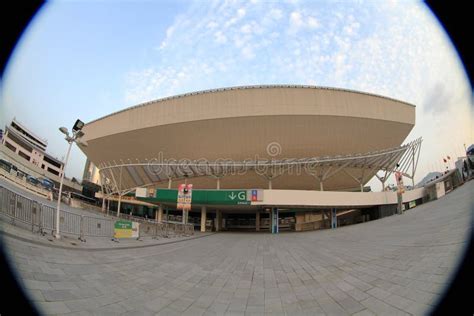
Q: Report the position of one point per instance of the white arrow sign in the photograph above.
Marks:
(232, 196)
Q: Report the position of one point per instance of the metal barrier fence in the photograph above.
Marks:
(40, 218)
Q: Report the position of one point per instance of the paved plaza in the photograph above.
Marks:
(395, 265)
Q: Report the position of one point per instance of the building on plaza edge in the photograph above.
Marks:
(242, 125)
(292, 146)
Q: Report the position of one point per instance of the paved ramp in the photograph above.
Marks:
(396, 265)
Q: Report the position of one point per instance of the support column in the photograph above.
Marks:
(160, 214)
(169, 183)
(257, 221)
(103, 202)
(274, 220)
(218, 220)
(269, 184)
(185, 217)
(203, 218)
(321, 187)
(218, 183)
(400, 203)
(361, 187)
(118, 206)
(333, 218)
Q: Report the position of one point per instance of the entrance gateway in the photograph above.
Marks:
(277, 210)
(204, 199)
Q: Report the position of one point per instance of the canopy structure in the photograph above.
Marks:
(123, 177)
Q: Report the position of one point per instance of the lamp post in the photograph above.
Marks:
(75, 138)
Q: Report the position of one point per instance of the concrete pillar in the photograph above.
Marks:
(321, 186)
(169, 183)
(218, 183)
(118, 206)
(269, 184)
(203, 218)
(103, 202)
(218, 220)
(299, 217)
(333, 218)
(361, 187)
(185, 217)
(257, 221)
(160, 214)
(274, 221)
(399, 203)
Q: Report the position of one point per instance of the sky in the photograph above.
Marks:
(88, 59)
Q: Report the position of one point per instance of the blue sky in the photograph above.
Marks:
(88, 59)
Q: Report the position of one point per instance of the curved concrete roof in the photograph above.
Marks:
(239, 123)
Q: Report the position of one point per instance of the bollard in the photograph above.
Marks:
(139, 232)
(81, 236)
(33, 215)
(40, 220)
(14, 209)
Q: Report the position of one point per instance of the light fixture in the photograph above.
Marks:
(78, 125)
(64, 131)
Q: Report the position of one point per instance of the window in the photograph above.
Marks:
(10, 146)
(51, 161)
(53, 171)
(22, 154)
(20, 142)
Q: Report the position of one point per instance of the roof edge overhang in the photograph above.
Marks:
(268, 86)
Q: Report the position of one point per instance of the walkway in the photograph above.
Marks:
(396, 265)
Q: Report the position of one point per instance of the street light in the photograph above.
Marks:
(75, 138)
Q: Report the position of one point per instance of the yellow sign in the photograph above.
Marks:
(126, 229)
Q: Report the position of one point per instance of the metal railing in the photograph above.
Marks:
(40, 218)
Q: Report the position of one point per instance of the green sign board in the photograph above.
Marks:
(206, 197)
(125, 229)
(123, 224)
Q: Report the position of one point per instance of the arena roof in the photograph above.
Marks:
(243, 88)
(123, 177)
(241, 123)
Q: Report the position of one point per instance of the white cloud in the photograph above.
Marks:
(394, 50)
(248, 53)
(247, 28)
(212, 25)
(296, 20)
(276, 14)
(220, 38)
(312, 22)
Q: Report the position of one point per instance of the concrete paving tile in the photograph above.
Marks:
(53, 307)
(380, 308)
(82, 304)
(364, 312)
(37, 285)
(393, 265)
(58, 295)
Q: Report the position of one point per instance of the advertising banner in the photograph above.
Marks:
(185, 194)
(399, 178)
(126, 229)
